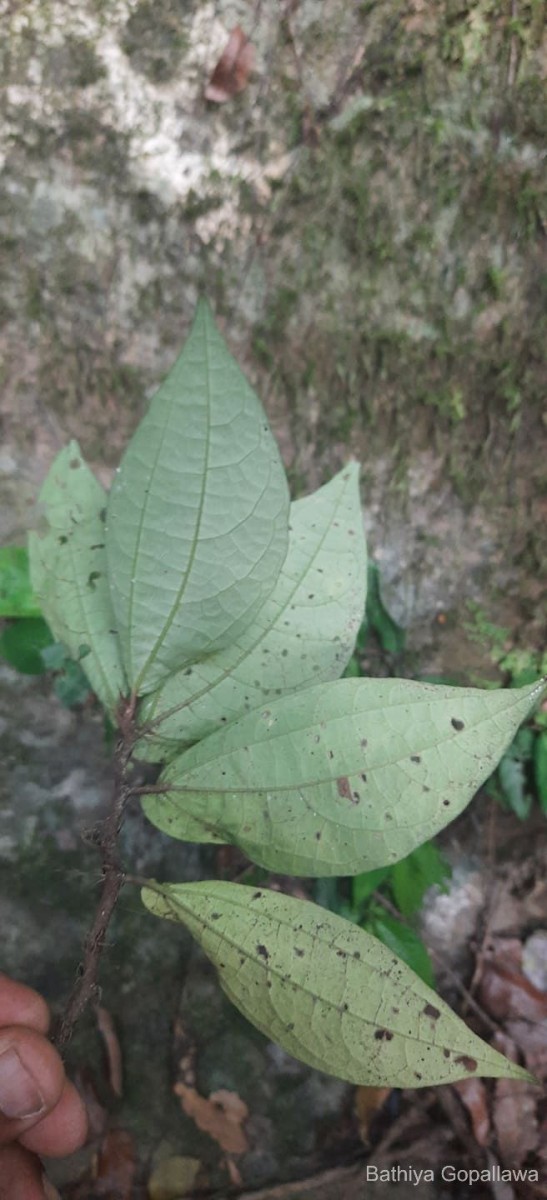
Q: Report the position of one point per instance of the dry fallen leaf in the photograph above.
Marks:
(367, 1102)
(514, 1112)
(115, 1166)
(504, 991)
(531, 1038)
(233, 68)
(173, 1178)
(105, 1026)
(221, 1116)
(473, 1095)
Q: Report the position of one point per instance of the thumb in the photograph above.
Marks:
(31, 1080)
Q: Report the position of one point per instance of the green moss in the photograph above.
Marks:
(73, 64)
(94, 146)
(156, 36)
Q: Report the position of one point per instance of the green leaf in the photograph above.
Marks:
(197, 523)
(411, 878)
(22, 642)
(327, 992)
(71, 686)
(16, 598)
(340, 778)
(304, 633)
(540, 769)
(363, 885)
(512, 777)
(390, 635)
(404, 942)
(69, 575)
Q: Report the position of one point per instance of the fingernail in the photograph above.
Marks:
(19, 1094)
(50, 1191)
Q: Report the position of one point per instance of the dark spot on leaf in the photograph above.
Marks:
(92, 578)
(457, 724)
(290, 1027)
(318, 835)
(446, 1053)
(395, 1010)
(425, 788)
(468, 1063)
(102, 514)
(415, 758)
(446, 803)
(262, 951)
(431, 1011)
(299, 953)
(383, 1035)
(284, 653)
(363, 777)
(417, 1075)
(341, 954)
(356, 954)
(63, 540)
(74, 463)
(342, 784)
(268, 983)
(256, 896)
(215, 916)
(241, 960)
(355, 797)
(363, 743)
(331, 755)
(97, 546)
(344, 1007)
(189, 671)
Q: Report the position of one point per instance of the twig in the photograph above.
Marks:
(85, 987)
(513, 48)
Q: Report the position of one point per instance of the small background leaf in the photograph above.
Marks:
(390, 635)
(412, 876)
(16, 598)
(327, 992)
(540, 769)
(22, 643)
(404, 942)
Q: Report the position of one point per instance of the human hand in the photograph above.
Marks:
(40, 1111)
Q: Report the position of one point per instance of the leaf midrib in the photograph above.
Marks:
(164, 716)
(197, 525)
(314, 996)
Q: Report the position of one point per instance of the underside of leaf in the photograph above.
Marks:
(343, 778)
(197, 522)
(69, 572)
(329, 993)
(304, 634)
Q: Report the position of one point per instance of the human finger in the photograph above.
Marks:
(63, 1130)
(31, 1080)
(20, 1174)
(21, 1005)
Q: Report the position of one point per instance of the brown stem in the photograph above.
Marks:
(85, 986)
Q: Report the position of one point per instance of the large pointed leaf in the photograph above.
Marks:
(197, 523)
(69, 574)
(341, 778)
(304, 633)
(327, 992)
